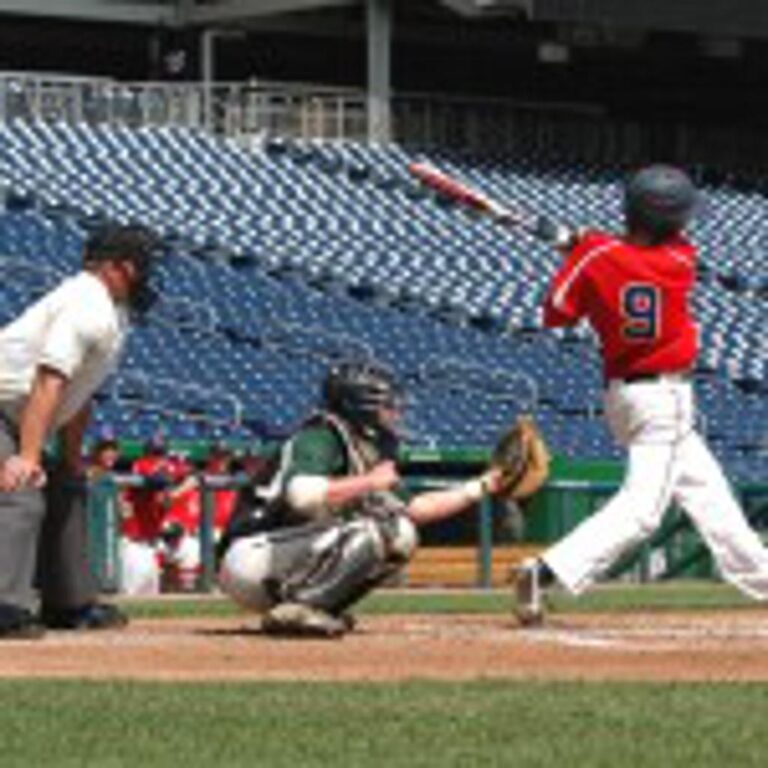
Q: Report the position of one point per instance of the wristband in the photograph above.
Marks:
(475, 490)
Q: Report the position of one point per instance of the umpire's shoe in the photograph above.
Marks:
(299, 620)
(19, 624)
(85, 617)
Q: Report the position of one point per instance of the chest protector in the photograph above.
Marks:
(261, 507)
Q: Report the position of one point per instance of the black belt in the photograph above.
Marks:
(634, 378)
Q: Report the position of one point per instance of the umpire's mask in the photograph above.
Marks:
(134, 244)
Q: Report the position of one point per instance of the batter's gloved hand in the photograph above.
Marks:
(520, 461)
(556, 234)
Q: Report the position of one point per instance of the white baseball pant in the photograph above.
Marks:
(668, 460)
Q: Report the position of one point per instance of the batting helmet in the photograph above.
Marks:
(660, 200)
(358, 391)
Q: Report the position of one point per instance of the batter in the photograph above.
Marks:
(635, 293)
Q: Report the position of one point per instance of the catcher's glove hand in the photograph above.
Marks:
(521, 457)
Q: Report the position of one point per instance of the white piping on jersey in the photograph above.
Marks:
(559, 298)
(680, 256)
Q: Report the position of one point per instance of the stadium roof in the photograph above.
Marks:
(721, 18)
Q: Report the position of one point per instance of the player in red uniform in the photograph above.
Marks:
(159, 546)
(634, 291)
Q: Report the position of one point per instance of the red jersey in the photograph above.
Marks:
(636, 298)
(151, 506)
(185, 509)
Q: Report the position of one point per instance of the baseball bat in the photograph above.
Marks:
(538, 225)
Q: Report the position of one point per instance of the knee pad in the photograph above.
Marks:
(350, 565)
(245, 574)
(402, 539)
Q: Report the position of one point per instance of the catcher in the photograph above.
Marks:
(328, 528)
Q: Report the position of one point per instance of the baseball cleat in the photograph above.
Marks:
(299, 620)
(92, 616)
(349, 621)
(529, 609)
(19, 624)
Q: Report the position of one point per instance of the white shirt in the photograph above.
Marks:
(76, 329)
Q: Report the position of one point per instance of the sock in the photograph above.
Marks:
(546, 575)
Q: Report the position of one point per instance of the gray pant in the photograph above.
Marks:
(48, 530)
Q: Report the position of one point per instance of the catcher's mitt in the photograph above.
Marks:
(522, 458)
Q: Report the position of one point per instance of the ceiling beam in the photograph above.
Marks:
(95, 10)
(486, 8)
(239, 10)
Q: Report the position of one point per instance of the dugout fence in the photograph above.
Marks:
(673, 551)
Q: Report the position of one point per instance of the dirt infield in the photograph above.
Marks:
(709, 646)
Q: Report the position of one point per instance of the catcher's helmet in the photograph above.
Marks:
(358, 391)
(660, 200)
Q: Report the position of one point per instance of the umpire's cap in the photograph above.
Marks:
(660, 200)
(134, 243)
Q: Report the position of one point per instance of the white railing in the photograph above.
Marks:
(251, 111)
(172, 399)
(255, 109)
(452, 373)
(231, 109)
(73, 100)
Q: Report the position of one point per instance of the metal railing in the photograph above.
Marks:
(638, 563)
(510, 387)
(253, 110)
(314, 342)
(676, 538)
(173, 399)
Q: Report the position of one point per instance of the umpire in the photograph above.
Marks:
(53, 358)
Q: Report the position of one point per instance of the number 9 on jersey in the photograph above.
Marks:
(641, 305)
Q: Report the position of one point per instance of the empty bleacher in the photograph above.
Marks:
(282, 258)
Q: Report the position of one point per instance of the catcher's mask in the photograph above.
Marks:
(660, 200)
(366, 394)
(134, 244)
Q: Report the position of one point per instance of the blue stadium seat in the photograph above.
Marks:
(282, 258)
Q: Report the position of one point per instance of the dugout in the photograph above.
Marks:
(478, 544)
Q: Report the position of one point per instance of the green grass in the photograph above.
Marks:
(672, 596)
(292, 725)
(68, 724)
(669, 596)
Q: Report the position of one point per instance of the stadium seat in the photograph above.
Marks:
(282, 258)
